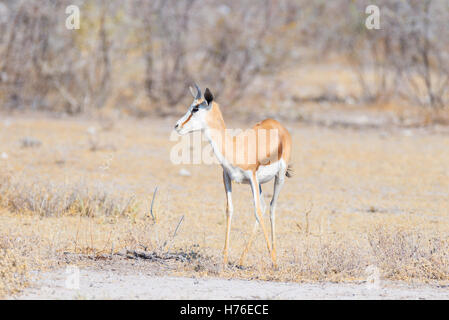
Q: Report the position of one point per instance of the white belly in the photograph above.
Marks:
(266, 173)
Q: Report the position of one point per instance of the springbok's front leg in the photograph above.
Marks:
(229, 212)
(259, 216)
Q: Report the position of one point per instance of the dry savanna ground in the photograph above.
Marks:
(79, 191)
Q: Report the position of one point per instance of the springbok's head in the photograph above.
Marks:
(195, 117)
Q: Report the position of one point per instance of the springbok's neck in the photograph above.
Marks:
(217, 134)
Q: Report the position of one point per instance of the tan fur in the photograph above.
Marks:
(275, 150)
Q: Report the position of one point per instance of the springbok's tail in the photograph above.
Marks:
(289, 172)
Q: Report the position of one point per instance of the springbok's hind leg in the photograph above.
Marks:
(256, 226)
(278, 183)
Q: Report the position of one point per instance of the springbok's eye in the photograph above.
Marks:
(195, 109)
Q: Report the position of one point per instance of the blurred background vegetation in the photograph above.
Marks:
(139, 57)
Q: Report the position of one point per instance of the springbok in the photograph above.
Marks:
(245, 158)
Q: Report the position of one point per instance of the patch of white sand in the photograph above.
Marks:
(106, 284)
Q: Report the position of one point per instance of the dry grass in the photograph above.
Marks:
(13, 267)
(358, 198)
(59, 199)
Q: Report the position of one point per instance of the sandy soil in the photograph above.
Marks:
(109, 284)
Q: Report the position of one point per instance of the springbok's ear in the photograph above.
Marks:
(208, 96)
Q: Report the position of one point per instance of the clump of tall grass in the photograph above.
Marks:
(13, 268)
(50, 199)
(410, 254)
